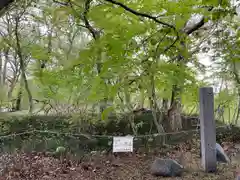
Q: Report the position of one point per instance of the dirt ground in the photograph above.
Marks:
(100, 166)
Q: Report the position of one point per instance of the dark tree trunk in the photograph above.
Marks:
(5, 4)
(17, 106)
(174, 113)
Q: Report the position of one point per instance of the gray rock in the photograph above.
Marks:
(221, 155)
(166, 168)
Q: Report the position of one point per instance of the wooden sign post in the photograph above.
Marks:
(207, 129)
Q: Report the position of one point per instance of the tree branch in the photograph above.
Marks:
(155, 19)
(141, 14)
(94, 32)
(22, 63)
(195, 27)
(62, 3)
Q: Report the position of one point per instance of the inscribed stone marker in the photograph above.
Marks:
(207, 129)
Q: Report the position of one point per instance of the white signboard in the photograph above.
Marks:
(123, 144)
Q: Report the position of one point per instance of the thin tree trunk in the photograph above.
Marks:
(142, 98)
(238, 108)
(237, 81)
(153, 106)
(1, 71)
(104, 101)
(174, 113)
(22, 66)
(164, 105)
(18, 101)
(10, 90)
(237, 111)
(18, 104)
(4, 75)
(130, 109)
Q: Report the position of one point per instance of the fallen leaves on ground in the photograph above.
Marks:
(132, 166)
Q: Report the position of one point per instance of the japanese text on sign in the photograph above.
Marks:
(123, 144)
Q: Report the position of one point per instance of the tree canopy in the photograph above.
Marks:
(116, 55)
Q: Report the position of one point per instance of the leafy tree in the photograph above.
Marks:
(119, 55)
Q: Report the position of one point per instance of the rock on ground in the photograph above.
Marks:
(166, 168)
(221, 155)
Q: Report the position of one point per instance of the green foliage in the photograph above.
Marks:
(39, 53)
(60, 134)
(106, 113)
(3, 95)
(127, 56)
(115, 50)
